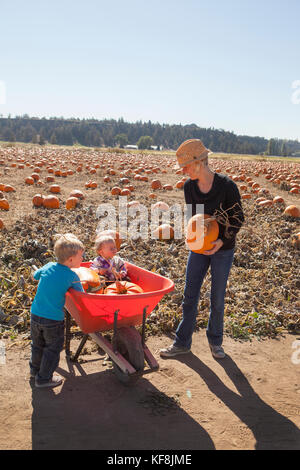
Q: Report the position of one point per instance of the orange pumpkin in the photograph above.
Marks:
(202, 230)
(296, 240)
(265, 203)
(89, 278)
(1, 224)
(8, 188)
(77, 193)
(156, 184)
(51, 202)
(115, 191)
(292, 211)
(29, 180)
(71, 203)
(54, 188)
(163, 232)
(179, 184)
(4, 204)
(123, 287)
(37, 200)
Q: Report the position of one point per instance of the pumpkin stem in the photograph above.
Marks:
(121, 289)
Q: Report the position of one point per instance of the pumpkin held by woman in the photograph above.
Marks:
(123, 287)
(202, 230)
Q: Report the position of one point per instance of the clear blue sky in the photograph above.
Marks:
(226, 64)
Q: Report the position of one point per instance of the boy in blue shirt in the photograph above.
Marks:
(47, 314)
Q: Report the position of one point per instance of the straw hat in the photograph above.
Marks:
(190, 151)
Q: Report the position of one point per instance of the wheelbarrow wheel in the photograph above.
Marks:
(128, 343)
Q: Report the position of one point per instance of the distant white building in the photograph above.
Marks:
(134, 147)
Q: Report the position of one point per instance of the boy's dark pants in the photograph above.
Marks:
(47, 340)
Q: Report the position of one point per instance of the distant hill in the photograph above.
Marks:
(110, 132)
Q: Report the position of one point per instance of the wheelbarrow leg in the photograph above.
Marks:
(144, 325)
(82, 343)
(68, 332)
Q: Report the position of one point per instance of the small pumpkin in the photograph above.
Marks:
(122, 288)
(29, 180)
(163, 232)
(265, 203)
(71, 203)
(116, 191)
(278, 199)
(292, 211)
(51, 202)
(296, 240)
(54, 188)
(156, 184)
(77, 193)
(202, 230)
(179, 184)
(37, 200)
(125, 192)
(163, 206)
(8, 188)
(4, 204)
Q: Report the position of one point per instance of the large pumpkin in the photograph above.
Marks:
(123, 287)
(202, 230)
(89, 278)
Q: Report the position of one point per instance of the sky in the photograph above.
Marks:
(225, 64)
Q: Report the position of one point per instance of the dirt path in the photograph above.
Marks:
(249, 400)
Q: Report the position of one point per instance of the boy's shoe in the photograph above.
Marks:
(217, 351)
(173, 350)
(54, 382)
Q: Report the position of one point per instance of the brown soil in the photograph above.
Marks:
(249, 400)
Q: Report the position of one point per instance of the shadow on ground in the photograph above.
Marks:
(95, 411)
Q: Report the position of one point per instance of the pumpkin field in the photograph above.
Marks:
(49, 190)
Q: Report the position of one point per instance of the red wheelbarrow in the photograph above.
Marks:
(97, 313)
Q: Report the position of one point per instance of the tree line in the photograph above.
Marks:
(111, 133)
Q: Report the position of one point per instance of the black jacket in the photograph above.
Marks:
(222, 201)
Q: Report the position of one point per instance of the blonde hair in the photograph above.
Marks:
(100, 241)
(66, 245)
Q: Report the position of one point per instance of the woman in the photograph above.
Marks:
(219, 196)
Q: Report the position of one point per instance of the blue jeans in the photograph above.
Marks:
(47, 341)
(197, 266)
